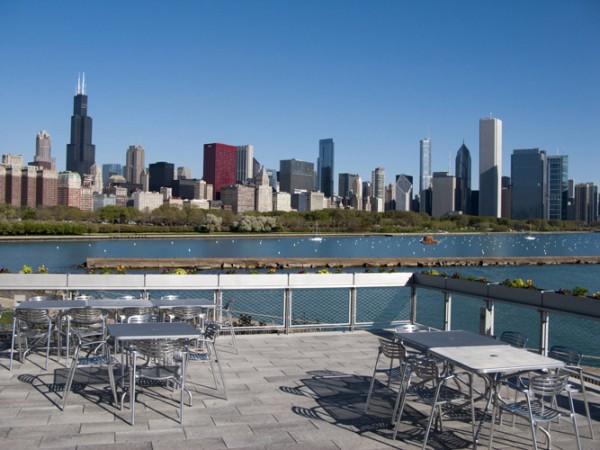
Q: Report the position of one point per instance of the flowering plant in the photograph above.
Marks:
(576, 291)
(519, 283)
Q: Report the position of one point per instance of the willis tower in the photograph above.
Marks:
(81, 153)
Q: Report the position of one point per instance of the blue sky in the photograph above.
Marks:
(280, 75)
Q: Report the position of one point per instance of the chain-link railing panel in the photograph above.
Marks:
(577, 333)
(514, 318)
(382, 305)
(321, 306)
(256, 307)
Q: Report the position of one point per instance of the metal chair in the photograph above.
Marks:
(160, 369)
(89, 361)
(391, 362)
(31, 328)
(226, 323)
(168, 316)
(194, 315)
(90, 324)
(427, 383)
(143, 318)
(133, 311)
(204, 351)
(539, 406)
(572, 358)
(514, 338)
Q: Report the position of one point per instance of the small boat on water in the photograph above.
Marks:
(428, 240)
(316, 237)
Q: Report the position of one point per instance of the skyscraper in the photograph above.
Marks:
(134, 164)
(325, 167)
(108, 170)
(424, 165)
(161, 175)
(378, 180)
(490, 167)
(43, 145)
(463, 180)
(245, 163)
(220, 166)
(528, 174)
(586, 202)
(346, 186)
(296, 175)
(404, 189)
(558, 187)
(81, 153)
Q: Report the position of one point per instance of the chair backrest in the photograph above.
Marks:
(392, 350)
(426, 369)
(548, 384)
(187, 312)
(136, 311)
(142, 318)
(158, 348)
(169, 297)
(514, 338)
(87, 316)
(569, 355)
(41, 298)
(211, 330)
(33, 316)
(125, 297)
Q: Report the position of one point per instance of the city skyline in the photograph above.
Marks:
(372, 82)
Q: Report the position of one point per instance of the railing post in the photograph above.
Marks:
(447, 310)
(544, 332)
(486, 318)
(413, 304)
(287, 310)
(352, 308)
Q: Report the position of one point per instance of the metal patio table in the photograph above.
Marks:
(493, 362)
(424, 340)
(151, 330)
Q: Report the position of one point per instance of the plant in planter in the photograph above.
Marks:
(42, 269)
(519, 283)
(26, 269)
(596, 295)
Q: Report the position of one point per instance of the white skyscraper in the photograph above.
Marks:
(425, 165)
(245, 163)
(490, 167)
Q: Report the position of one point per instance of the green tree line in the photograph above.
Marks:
(62, 220)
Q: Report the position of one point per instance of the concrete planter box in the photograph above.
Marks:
(530, 297)
(467, 287)
(571, 304)
(310, 280)
(104, 282)
(429, 281)
(33, 281)
(188, 282)
(395, 279)
(253, 281)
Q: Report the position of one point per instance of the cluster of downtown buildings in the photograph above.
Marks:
(538, 188)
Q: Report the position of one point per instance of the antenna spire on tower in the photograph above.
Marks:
(83, 84)
(78, 83)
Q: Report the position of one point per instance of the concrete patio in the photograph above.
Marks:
(300, 391)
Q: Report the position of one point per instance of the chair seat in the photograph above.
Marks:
(541, 412)
(158, 372)
(195, 356)
(97, 360)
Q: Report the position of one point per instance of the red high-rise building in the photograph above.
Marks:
(220, 165)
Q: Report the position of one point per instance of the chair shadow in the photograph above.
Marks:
(52, 385)
(340, 400)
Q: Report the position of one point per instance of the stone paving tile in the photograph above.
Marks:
(245, 419)
(68, 440)
(135, 434)
(275, 440)
(127, 446)
(24, 444)
(101, 427)
(215, 443)
(212, 431)
(26, 431)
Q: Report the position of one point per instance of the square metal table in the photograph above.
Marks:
(425, 340)
(153, 330)
(493, 362)
(52, 305)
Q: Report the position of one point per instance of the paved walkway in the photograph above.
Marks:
(303, 391)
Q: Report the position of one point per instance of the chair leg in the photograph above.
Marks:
(370, 392)
(12, 344)
(48, 339)
(68, 385)
(218, 361)
(586, 404)
(574, 417)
